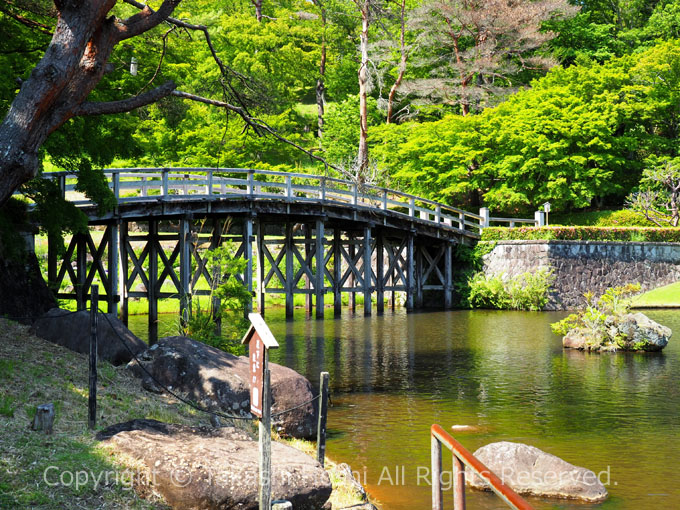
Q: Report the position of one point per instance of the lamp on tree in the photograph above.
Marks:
(133, 66)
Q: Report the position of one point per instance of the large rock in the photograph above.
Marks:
(72, 330)
(201, 468)
(219, 380)
(642, 333)
(628, 332)
(528, 470)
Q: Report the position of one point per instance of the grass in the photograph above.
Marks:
(667, 296)
(34, 372)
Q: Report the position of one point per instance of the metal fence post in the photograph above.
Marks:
(436, 457)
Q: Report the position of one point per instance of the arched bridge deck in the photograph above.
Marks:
(299, 234)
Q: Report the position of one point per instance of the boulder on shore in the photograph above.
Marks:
(72, 330)
(203, 468)
(628, 332)
(219, 380)
(528, 470)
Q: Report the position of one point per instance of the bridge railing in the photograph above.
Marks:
(462, 459)
(131, 185)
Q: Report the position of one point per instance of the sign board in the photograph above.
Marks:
(259, 339)
(256, 355)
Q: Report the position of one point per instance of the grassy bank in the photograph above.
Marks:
(34, 372)
(667, 296)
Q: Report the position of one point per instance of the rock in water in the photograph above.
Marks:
(202, 468)
(72, 330)
(629, 332)
(219, 380)
(642, 333)
(528, 470)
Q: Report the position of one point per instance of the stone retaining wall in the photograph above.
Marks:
(581, 266)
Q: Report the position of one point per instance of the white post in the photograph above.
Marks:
(539, 219)
(484, 213)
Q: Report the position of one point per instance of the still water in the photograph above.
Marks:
(507, 375)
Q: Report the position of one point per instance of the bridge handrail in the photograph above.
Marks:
(198, 183)
(463, 458)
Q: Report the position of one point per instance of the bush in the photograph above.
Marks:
(527, 291)
(621, 218)
(636, 234)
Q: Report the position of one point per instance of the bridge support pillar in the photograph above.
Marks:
(410, 272)
(308, 284)
(419, 275)
(337, 272)
(260, 268)
(185, 269)
(351, 248)
(368, 271)
(248, 254)
(319, 286)
(123, 278)
(113, 273)
(448, 276)
(290, 276)
(379, 273)
(153, 280)
(81, 270)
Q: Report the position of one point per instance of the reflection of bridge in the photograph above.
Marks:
(313, 235)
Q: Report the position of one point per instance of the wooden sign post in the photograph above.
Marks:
(259, 340)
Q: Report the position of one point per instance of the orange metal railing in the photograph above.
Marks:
(462, 458)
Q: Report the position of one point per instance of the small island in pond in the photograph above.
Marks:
(606, 324)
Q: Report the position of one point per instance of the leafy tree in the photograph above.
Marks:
(659, 197)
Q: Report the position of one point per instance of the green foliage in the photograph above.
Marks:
(632, 234)
(7, 406)
(232, 297)
(527, 291)
(341, 129)
(598, 315)
(620, 218)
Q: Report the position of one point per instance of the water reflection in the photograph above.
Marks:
(504, 372)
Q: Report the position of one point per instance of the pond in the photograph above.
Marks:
(507, 375)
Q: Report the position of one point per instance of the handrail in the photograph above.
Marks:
(462, 458)
(167, 184)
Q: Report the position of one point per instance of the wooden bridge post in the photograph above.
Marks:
(290, 258)
(151, 292)
(379, 273)
(113, 258)
(410, 272)
(185, 269)
(352, 252)
(124, 268)
(448, 276)
(81, 270)
(419, 275)
(216, 275)
(248, 254)
(337, 272)
(319, 286)
(308, 283)
(368, 271)
(260, 268)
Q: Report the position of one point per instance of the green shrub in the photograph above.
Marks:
(621, 218)
(635, 234)
(527, 291)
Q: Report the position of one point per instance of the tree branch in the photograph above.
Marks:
(126, 105)
(27, 22)
(145, 20)
(254, 123)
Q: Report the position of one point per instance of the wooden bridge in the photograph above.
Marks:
(313, 235)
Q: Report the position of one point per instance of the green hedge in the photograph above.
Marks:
(635, 234)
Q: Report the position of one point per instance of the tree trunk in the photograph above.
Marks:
(258, 9)
(57, 89)
(402, 63)
(362, 157)
(320, 82)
